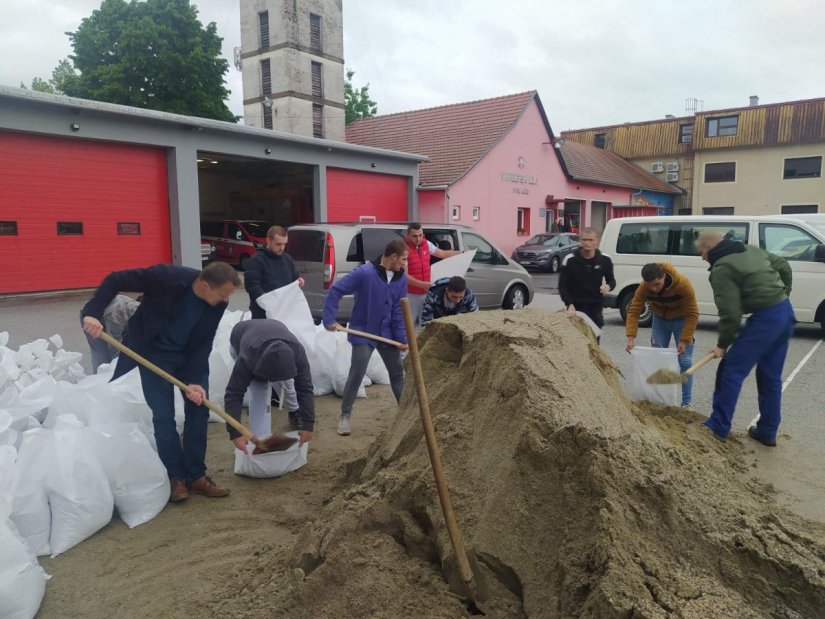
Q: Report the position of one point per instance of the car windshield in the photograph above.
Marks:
(543, 239)
(256, 228)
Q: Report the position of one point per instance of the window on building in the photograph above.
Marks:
(722, 125)
(686, 133)
(803, 167)
(317, 120)
(650, 238)
(8, 228)
(455, 211)
(720, 172)
(799, 209)
(263, 26)
(128, 228)
(523, 221)
(315, 32)
(600, 140)
(317, 84)
(787, 241)
(267, 116)
(717, 210)
(686, 234)
(266, 77)
(69, 228)
(476, 213)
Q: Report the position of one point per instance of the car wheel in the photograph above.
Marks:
(516, 297)
(554, 264)
(242, 261)
(645, 318)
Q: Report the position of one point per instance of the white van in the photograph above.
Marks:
(634, 241)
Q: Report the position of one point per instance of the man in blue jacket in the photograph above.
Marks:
(378, 287)
(173, 328)
(448, 296)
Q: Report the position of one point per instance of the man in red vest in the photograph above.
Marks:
(418, 266)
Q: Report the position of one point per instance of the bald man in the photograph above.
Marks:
(748, 280)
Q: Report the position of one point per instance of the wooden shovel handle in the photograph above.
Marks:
(183, 386)
(704, 360)
(456, 539)
(370, 336)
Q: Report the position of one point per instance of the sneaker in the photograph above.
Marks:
(207, 487)
(345, 425)
(754, 434)
(177, 491)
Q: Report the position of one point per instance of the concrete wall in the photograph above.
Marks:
(759, 188)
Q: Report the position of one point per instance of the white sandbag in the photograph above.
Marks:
(22, 404)
(587, 319)
(30, 503)
(322, 361)
(22, 580)
(289, 305)
(273, 464)
(220, 361)
(8, 460)
(341, 365)
(646, 361)
(377, 372)
(136, 475)
(79, 494)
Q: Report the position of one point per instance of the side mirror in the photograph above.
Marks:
(819, 253)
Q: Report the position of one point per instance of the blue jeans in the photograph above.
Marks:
(187, 462)
(663, 329)
(762, 342)
(361, 354)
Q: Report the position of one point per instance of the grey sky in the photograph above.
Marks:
(593, 62)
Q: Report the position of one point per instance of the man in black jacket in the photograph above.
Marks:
(265, 350)
(586, 274)
(173, 328)
(269, 269)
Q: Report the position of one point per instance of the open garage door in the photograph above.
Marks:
(365, 196)
(73, 210)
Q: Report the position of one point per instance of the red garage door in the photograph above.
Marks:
(364, 196)
(73, 210)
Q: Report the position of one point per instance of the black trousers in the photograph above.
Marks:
(594, 312)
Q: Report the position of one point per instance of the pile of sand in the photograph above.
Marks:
(573, 501)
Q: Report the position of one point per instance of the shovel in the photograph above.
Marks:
(370, 336)
(278, 442)
(669, 377)
(471, 585)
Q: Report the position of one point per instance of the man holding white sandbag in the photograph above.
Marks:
(266, 351)
(675, 314)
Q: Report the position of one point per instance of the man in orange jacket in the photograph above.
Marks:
(675, 313)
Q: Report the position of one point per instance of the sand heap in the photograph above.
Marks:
(573, 501)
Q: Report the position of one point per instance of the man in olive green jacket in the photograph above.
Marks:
(748, 280)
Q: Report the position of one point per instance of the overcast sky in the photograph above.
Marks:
(593, 62)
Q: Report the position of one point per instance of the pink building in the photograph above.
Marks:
(495, 165)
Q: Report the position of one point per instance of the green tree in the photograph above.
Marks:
(154, 54)
(55, 85)
(357, 102)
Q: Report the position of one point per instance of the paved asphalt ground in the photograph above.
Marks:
(796, 465)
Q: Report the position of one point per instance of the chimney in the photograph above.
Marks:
(754, 100)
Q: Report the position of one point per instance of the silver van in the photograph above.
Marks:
(324, 253)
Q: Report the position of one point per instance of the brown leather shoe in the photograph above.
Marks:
(178, 491)
(207, 487)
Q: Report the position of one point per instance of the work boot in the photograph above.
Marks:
(718, 437)
(345, 425)
(754, 434)
(177, 492)
(207, 487)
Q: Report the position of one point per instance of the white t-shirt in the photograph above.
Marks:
(432, 247)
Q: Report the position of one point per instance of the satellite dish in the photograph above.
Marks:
(268, 102)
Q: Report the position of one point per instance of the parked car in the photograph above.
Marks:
(235, 240)
(207, 253)
(546, 251)
(634, 241)
(324, 253)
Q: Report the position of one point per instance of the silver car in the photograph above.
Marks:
(324, 253)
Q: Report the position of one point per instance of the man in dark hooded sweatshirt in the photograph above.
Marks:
(269, 269)
(748, 280)
(266, 351)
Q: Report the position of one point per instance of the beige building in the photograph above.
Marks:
(292, 61)
(754, 160)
